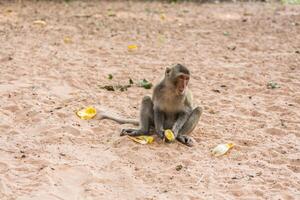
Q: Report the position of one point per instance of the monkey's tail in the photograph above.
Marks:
(118, 119)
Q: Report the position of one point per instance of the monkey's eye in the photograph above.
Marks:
(183, 77)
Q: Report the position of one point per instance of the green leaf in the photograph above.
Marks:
(110, 76)
(273, 85)
(226, 33)
(111, 14)
(293, 2)
(145, 84)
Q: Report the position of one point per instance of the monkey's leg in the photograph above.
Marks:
(159, 121)
(146, 119)
(189, 126)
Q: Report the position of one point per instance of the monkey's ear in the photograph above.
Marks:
(168, 71)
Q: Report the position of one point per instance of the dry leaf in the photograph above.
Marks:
(111, 14)
(67, 40)
(8, 10)
(162, 16)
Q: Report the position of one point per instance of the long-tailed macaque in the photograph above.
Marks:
(169, 108)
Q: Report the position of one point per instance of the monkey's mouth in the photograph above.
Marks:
(180, 91)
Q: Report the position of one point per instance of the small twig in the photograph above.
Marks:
(8, 151)
(290, 121)
(200, 179)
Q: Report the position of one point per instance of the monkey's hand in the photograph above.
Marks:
(175, 132)
(169, 136)
(161, 134)
(158, 122)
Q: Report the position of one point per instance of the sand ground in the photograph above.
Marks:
(233, 50)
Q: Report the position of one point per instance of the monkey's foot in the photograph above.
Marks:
(127, 131)
(186, 140)
(133, 132)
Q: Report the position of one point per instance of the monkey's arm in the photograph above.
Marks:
(159, 119)
(184, 115)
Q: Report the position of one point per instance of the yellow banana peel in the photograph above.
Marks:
(87, 113)
(132, 47)
(169, 135)
(221, 149)
(143, 139)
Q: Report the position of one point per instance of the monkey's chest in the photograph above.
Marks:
(171, 105)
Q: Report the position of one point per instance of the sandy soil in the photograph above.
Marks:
(233, 51)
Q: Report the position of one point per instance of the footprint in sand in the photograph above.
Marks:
(67, 181)
(71, 130)
(3, 168)
(12, 108)
(62, 115)
(294, 165)
(275, 131)
(246, 142)
(294, 168)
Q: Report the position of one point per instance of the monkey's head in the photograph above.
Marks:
(179, 76)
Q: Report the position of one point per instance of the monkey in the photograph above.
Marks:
(171, 107)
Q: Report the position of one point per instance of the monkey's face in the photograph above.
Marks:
(179, 77)
(181, 83)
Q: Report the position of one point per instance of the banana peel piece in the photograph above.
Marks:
(221, 149)
(143, 139)
(132, 47)
(169, 135)
(87, 113)
(40, 22)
